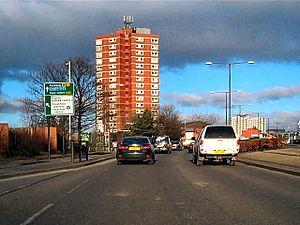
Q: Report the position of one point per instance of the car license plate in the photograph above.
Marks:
(220, 151)
(134, 148)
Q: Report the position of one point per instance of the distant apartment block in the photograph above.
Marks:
(244, 122)
(127, 76)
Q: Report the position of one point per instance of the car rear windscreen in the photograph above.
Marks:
(141, 141)
(219, 132)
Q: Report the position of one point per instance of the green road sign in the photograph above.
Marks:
(86, 137)
(58, 88)
(59, 99)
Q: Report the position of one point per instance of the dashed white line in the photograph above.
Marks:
(78, 186)
(36, 215)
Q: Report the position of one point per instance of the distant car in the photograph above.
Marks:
(163, 144)
(216, 143)
(135, 148)
(176, 145)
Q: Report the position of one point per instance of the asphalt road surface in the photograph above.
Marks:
(172, 191)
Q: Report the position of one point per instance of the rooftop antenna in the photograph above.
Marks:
(127, 20)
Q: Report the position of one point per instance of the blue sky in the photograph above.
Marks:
(191, 33)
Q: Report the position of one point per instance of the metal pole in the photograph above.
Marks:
(258, 123)
(226, 101)
(230, 94)
(49, 143)
(108, 144)
(63, 137)
(70, 121)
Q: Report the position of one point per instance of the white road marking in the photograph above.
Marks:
(36, 215)
(78, 186)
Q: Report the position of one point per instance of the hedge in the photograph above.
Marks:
(261, 144)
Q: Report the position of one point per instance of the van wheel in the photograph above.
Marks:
(232, 163)
(198, 162)
(195, 160)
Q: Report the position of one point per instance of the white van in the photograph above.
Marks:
(216, 142)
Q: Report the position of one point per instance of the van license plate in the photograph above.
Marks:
(220, 151)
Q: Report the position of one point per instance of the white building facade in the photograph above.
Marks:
(242, 122)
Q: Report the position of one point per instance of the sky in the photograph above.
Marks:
(191, 33)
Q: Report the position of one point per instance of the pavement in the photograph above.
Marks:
(14, 168)
(285, 160)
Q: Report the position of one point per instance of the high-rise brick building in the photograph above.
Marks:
(127, 76)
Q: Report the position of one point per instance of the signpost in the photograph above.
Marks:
(59, 98)
(59, 101)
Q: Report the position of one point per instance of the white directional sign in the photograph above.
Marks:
(62, 105)
(59, 99)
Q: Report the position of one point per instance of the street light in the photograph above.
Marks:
(209, 63)
(226, 105)
(240, 108)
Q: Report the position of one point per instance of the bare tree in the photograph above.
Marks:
(2, 105)
(169, 122)
(208, 118)
(83, 76)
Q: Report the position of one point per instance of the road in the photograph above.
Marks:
(172, 191)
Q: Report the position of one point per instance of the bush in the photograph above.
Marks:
(261, 144)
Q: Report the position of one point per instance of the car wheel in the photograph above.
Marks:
(151, 162)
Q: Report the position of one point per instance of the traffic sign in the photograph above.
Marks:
(59, 99)
(59, 88)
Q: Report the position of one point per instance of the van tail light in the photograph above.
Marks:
(122, 147)
(146, 147)
(201, 142)
(238, 142)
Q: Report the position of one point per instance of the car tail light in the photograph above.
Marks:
(148, 156)
(146, 147)
(238, 142)
(122, 147)
(120, 156)
(201, 142)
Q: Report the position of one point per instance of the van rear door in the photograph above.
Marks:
(219, 140)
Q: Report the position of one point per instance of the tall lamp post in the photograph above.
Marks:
(240, 107)
(226, 100)
(229, 80)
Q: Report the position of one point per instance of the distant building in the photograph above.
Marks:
(127, 76)
(250, 133)
(241, 123)
(191, 129)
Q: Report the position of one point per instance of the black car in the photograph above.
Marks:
(136, 148)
